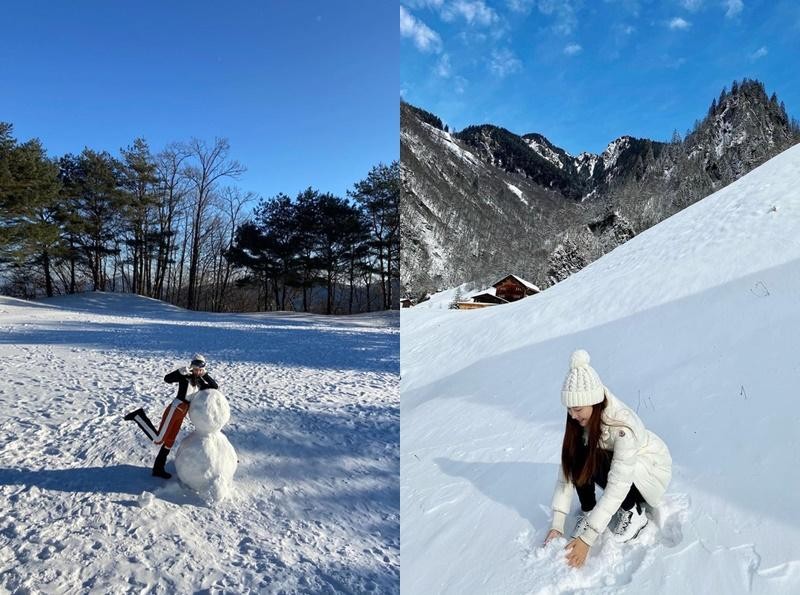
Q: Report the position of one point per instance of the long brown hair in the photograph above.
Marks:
(573, 443)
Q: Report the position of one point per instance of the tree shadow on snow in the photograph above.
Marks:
(309, 346)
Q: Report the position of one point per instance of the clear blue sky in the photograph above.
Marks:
(586, 72)
(305, 91)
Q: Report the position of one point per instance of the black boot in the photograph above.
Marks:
(161, 460)
(144, 423)
(133, 414)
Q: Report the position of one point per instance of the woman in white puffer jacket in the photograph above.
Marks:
(605, 443)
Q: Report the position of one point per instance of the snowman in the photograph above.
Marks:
(206, 461)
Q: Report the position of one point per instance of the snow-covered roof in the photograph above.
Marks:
(489, 291)
(527, 284)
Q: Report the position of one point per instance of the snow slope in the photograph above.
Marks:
(314, 420)
(694, 324)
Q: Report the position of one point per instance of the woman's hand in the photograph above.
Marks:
(577, 550)
(552, 535)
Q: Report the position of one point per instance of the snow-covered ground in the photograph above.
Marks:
(314, 420)
(694, 324)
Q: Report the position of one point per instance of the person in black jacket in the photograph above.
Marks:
(190, 380)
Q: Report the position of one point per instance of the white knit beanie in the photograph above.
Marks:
(582, 386)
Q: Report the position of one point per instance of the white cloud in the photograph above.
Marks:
(679, 23)
(473, 11)
(425, 38)
(425, 3)
(759, 53)
(573, 49)
(631, 6)
(734, 8)
(460, 84)
(692, 5)
(520, 6)
(621, 36)
(566, 21)
(674, 63)
(443, 68)
(504, 62)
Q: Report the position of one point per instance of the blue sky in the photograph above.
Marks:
(306, 92)
(586, 72)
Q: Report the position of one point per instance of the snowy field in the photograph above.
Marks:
(314, 419)
(694, 324)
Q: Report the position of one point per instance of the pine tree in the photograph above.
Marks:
(92, 193)
(379, 197)
(138, 182)
(457, 297)
(29, 231)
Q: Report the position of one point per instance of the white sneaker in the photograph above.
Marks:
(580, 524)
(631, 523)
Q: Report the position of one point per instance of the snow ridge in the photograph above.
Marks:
(688, 324)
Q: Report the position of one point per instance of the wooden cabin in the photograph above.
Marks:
(512, 288)
(406, 303)
(488, 297)
(472, 305)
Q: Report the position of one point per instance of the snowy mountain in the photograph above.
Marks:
(691, 323)
(314, 420)
(463, 220)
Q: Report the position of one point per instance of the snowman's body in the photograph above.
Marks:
(206, 461)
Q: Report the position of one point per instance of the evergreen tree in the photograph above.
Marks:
(309, 224)
(29, 231)
(252, 250)
(138, 182)
(277, 218)
(456, 298)
(341, 223)
(379, 197)
(92, 184)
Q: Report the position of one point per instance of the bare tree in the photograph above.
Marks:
(232, 203)
(211, 165)
(173, 191)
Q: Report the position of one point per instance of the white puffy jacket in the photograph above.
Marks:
(640, 457)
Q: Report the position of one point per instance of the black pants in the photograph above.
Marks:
(600, 477)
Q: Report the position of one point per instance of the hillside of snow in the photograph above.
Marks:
(314, 406)
(694, 324)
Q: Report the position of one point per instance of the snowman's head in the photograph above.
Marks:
(209, 411)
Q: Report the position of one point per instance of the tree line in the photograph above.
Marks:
(171, 226)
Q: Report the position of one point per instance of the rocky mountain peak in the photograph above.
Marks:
(484, 201)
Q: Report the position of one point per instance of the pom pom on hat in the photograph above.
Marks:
(582, 386)
(579, 359)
